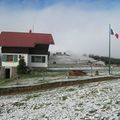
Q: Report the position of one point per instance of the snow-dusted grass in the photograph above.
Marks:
(37, 77)
(94, 101)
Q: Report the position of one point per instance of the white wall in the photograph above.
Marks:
(31, 64)
(14, 64)
(27, 60)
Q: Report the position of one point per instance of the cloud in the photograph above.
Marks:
(73, 28)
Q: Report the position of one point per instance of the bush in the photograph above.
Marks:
(22, 68)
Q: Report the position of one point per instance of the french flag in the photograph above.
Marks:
(116, 34)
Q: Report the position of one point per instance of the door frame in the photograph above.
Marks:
(9, 73)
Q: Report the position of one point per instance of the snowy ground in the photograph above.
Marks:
(47, 79)
(56, 76)
(94, 101)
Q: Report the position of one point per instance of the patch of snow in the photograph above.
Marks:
(94, 101)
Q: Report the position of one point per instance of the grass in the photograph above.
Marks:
(5, 81)
(118, 114)
(117, 102)
(92, 111)
(38, 107)
(41, 74)
(70, 90)
(64, 65)
(8, 110)
(18, 104)
(30, 97)
(33, 74)
(64, 98)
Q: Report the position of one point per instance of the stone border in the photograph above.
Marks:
(46, 86)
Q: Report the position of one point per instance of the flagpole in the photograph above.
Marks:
(109, 49)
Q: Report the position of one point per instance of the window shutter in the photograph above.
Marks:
(15, 58)
(4, 58)
(43, 59)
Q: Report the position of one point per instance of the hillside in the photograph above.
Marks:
(106, 59)
(71, 60)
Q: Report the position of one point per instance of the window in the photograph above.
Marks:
(9, 58)
(38, 59)
(43, 59)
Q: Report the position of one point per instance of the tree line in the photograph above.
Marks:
(105, 59)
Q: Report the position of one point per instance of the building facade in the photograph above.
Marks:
(33, 47)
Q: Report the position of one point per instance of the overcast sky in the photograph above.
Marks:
(80, 26)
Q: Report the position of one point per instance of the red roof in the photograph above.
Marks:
(20, 39)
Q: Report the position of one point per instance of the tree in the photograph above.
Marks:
(22, 68)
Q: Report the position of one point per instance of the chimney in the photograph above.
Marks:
(30, 31)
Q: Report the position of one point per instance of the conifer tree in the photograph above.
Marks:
(21, 68)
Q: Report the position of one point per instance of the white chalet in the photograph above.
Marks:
(32, 46)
